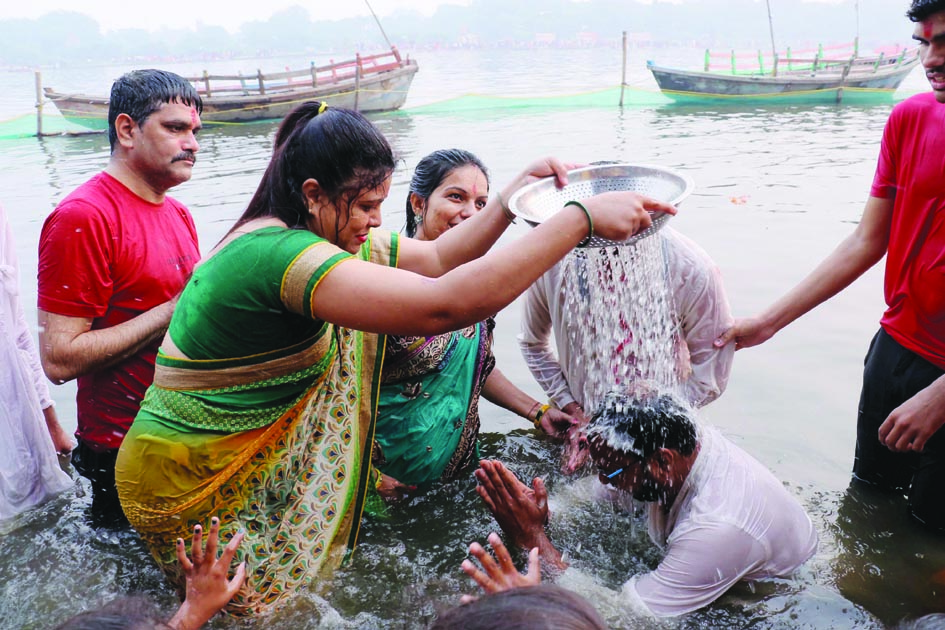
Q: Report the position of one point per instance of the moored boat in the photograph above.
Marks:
(816, 79)
(375, 83)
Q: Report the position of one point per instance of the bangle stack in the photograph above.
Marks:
(590, 222)
(542, 410)
(505, 209)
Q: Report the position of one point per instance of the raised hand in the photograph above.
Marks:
(499, 573)
(208, 589)
(539, 169)
(520, 511)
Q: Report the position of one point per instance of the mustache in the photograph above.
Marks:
(190, 156)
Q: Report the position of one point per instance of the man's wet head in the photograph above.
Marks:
(644, 445)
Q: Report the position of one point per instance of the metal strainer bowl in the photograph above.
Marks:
(539, 200)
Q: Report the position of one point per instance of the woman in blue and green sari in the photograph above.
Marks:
(428, 414)
(263, 405)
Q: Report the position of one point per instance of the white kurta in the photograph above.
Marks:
(701, 306)
(732, 520)
(29, 467)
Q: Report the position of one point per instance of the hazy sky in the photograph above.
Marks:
(116, 14)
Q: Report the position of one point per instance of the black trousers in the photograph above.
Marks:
(99, 468)
(892, 375)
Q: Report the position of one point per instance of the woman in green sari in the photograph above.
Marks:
(263, 404)
(428, 414)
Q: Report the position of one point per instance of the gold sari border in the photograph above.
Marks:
(313, 262)
(176, 378)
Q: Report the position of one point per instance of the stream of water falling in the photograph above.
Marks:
(621, 320)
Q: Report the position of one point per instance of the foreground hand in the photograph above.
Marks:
(912, 423)
(619, 215)
(499, 574)
(208, 589)
(746, 332)
(520, 511)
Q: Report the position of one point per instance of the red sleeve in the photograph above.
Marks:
(884, 181)
(75, 254)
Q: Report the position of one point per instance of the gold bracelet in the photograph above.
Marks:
(590, 222)
(542, 410)
(505, 209)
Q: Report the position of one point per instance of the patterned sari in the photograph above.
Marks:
(428, 416)
(272, 442)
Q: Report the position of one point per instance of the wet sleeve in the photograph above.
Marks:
(884, 180)
(534, 340)
(75, 260)
(23, 336)
(704, 314)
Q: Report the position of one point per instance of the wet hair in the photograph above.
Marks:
(923, 9)
(140, 93)
(542, 607)
(430, 173)
(124, 613)
(339, 148)
(643, 424)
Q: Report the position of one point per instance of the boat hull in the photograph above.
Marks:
(381, 92)
(687, 84)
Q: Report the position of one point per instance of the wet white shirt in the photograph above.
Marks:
(702, 309)
(732, 520)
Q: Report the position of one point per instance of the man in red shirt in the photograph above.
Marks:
(902, 405)
(113, 256)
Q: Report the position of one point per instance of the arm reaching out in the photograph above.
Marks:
(852, 257)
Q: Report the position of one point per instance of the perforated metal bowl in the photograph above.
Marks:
(540, 200)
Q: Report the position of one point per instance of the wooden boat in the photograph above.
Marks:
(376, 83)
(815, 79)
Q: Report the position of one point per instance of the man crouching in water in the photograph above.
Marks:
(719, 514)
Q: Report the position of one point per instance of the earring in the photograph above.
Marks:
(419, 218)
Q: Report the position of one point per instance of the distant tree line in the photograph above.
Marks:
(72, 37)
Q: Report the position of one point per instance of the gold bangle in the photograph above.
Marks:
(542, 410)
(590, 222)
(509, 215)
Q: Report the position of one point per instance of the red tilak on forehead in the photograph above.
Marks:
(927, 29)
(193, 116)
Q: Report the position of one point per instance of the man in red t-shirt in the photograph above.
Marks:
(113, 256)
(902, 404)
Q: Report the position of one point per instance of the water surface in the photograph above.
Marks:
(776, 189)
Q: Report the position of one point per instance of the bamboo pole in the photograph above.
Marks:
(774, 48)
(357, 80)
(623, 71)
(39, 103)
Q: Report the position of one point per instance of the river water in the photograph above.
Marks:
(776, 188)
